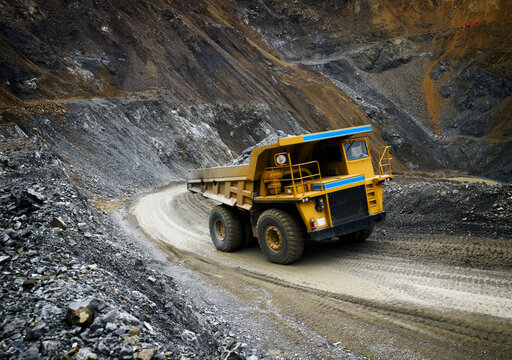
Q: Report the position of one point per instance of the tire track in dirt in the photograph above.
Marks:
(363, 295)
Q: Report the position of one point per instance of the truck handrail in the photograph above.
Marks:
(385, 161)
(292, 169)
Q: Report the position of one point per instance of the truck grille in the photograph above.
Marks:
(348, 204)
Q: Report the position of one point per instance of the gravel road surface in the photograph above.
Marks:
(389, 297)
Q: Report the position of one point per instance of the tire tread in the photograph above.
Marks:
(234, 228)
(294, 233)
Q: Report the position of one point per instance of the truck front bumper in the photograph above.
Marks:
(348, 227)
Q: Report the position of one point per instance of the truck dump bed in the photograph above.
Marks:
(226, 184)
(220, 173)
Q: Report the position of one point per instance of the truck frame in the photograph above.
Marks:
(314, 186)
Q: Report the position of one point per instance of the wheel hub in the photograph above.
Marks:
(220, 229)
(274, 238)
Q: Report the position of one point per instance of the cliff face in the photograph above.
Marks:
(147, 89)
(432, 86)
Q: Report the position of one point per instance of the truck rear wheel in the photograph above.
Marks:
(226, 228)
(280, 236)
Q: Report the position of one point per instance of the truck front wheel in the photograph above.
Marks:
(226, 228)
(280, 236)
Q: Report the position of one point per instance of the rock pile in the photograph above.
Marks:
(74, 286)
(449, 207)
(271, 139)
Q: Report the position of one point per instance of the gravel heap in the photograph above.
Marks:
(271, 139)
(74, 286)
(448, 207)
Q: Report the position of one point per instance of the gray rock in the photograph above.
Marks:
(12, 327)
(126, 318)
(36, 196)
(159, 356)
(269, 140)
(111, 327)
(11, 233)
(83, 227)
(91, 303)
(97, 332)
(103, 348)
(51, 346)
(85, 354)
(4, 259)
(50, 310)
(384, 56)
(441, 67)
(122, 330)
(32, 353)
(149, 327)
(126, 350)
(35, 332)
(82, 312)
(189, 336)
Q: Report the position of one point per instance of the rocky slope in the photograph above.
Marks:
(145, 102)
(74, 285)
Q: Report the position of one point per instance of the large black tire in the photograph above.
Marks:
(280, 236)
(226, 228)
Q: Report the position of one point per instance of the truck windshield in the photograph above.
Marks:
(356, 150)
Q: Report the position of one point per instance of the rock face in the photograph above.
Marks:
(146, 142)
(238, 71)
(474, 93)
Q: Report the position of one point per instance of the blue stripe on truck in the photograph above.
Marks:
(339, 183)
(336, 133)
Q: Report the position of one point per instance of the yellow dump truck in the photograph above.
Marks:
(314, 186)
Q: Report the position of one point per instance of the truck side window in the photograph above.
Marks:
(333, 154)
(356, 150)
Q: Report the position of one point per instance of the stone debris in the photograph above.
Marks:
(65, 293)
(4, 259)
(145, 354)
(271, 139)
(58, 222)
(438, 206)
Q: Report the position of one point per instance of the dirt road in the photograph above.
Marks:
(386, 298)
